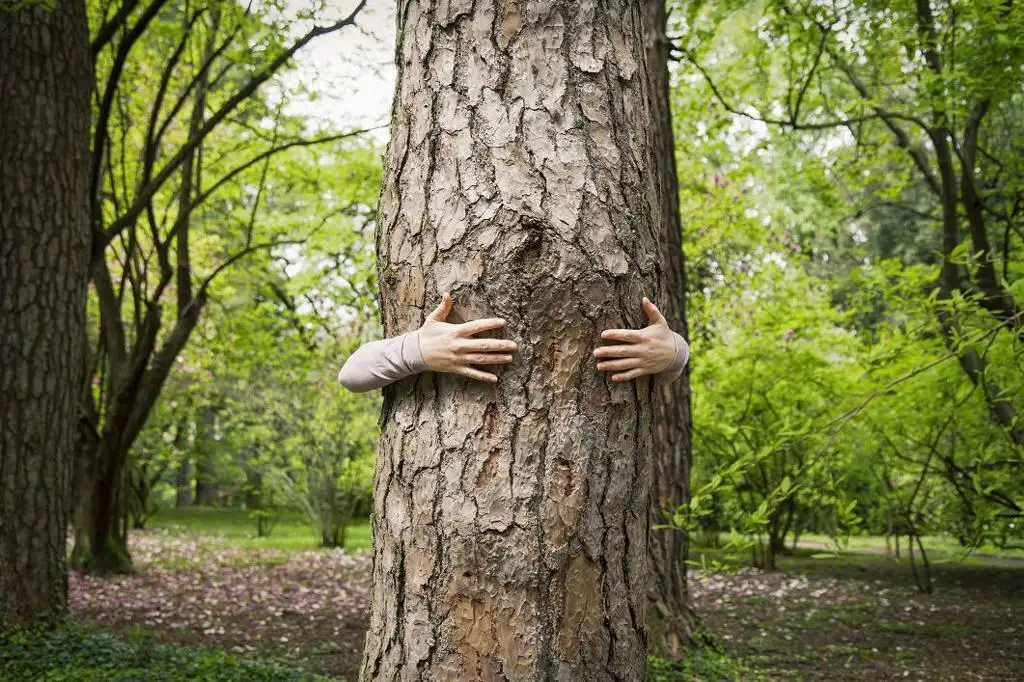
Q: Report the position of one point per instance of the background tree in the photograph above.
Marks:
(512, 520)
(44, 255)
(177, 203)
(670, 617)
(954, 85)
(812, 141)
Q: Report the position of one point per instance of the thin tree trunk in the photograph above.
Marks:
(206, 481)
(511, 520)
(45, 82)
(672, 619)
(184, 484)
(136, 379)
(253, 488)
(206, 473)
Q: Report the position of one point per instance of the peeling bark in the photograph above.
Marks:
(512, 520)
(44, 252)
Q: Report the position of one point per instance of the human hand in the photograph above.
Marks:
(448, 347)
(644, 351)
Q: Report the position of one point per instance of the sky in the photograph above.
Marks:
(351, 69)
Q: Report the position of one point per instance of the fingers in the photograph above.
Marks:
(629, 351)
(488, 346)
(485, 359)
(654, 315)
(627, 335)
(476, 374)
(477, 326)
(614, 365)
(440, 313)
(628, 376)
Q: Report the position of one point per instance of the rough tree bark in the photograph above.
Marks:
(44, 255)
(511, 520)
(671, 619)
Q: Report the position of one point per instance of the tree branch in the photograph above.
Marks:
(107, 31)
(230, 105)
(101, 131)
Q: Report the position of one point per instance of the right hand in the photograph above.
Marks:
(451, 348)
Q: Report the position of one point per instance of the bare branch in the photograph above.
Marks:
(230, 105)
(101, 132)
(107, 31)
(795, 114)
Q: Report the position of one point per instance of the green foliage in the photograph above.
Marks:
(832, 375)
(234, 230)
(705, 661)
(76, 654)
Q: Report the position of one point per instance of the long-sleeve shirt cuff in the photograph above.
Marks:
(674, 370)
(383, 362)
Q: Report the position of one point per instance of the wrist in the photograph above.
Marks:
(682, 353)
(412, 352)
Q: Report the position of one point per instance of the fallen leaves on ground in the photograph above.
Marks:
(201, 590)
(808, 623)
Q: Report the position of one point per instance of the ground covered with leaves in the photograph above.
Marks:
(82, 654)
(860, 617)
(307, 606)
(849, 618)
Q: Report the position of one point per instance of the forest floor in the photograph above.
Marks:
(860, 617)
(856, 617)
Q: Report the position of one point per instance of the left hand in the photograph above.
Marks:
(643, 351)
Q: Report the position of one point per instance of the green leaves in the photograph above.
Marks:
(827, 393)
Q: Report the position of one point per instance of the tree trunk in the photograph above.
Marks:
(99, 546)
(511, 520)
(44, 255)
(671, 618)
(183, 496)
(206, 481)
(206, 473)
(253, 488)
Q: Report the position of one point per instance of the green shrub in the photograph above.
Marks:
(705, 663)
(77, 654)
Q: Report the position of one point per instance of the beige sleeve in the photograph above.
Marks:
(675, 370)
(379, 363)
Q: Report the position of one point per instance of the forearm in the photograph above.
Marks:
(379, 363)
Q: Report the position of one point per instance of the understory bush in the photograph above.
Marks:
(705, 662)
(77, 654)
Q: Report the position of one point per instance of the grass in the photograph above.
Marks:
(235, 528)
(939, 546)
(75, 653)
(706, 663)
(864, 552)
